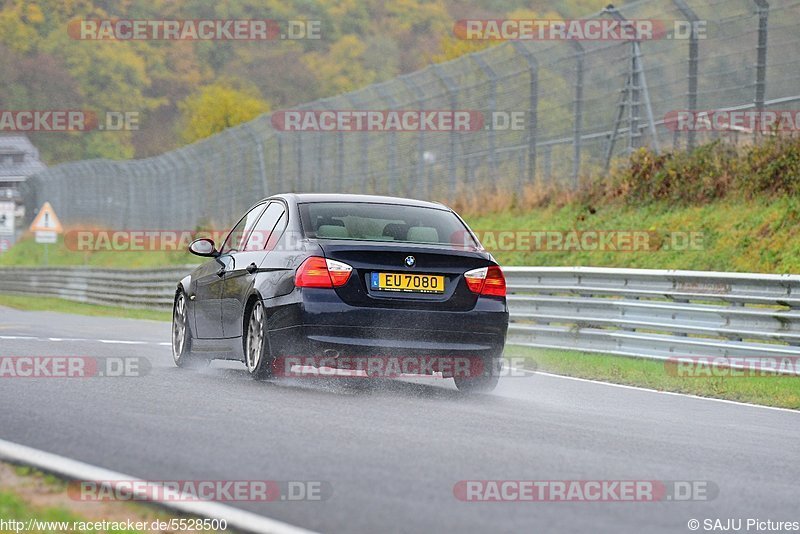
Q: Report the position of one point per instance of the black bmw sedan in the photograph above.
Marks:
(334, 279)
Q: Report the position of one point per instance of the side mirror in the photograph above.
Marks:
(203, 247)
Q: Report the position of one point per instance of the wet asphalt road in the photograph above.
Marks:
(393, 453)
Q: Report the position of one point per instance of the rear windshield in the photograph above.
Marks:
(363, 221)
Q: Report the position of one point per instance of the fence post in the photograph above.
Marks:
(419, 94)
(489, 72)
(319, 137)
(299, 182)
(638, 86)
(340, 161)
(694, 53)
(548, 162)
(393, 185)
(762, 10)
(578, 124)
(452, 89)
(185, 190)
(533, 112)
(262, 168)
(355, 100)
(279, 166)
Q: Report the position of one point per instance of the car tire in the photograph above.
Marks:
(182, 335)
(486, 382)
(258, 356)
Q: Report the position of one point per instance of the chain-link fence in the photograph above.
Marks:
(584, 103)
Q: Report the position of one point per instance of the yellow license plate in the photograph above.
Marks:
(412, 283)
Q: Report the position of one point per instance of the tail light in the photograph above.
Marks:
(321, 272)
(486, 281)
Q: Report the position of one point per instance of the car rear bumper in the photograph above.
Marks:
(321, 322)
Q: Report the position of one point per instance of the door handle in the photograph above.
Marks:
(252, 268)
(221, 272)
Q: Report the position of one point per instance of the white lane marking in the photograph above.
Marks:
(624, 386)
(76, 470)
(79, 339)
(676, 394)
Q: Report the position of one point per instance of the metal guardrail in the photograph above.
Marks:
(153, 288)
(629, 312)
(653, 313)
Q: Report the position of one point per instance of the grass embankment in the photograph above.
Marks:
(742, 235)
(28, 495)
(743, 201)
(28, 253)
(738, 235)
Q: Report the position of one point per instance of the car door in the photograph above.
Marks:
(207, 320)
(208, 293)
(241, 269)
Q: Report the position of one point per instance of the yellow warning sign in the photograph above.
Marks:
(46, 220)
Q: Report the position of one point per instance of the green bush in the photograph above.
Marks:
(710, 172)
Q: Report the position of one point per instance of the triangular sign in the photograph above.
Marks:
(46, 220)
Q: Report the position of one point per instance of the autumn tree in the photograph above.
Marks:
(216, 107)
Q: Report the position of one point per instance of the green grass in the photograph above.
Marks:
(780, 391)
(27, 253)
(22, 302)
(737, 235)
(12, 507)
(16, 504)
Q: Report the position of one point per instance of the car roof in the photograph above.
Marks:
(301, 198)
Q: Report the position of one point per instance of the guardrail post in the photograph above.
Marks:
(489, 72)
(533, 104)
(762, 10)
(694, 53)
